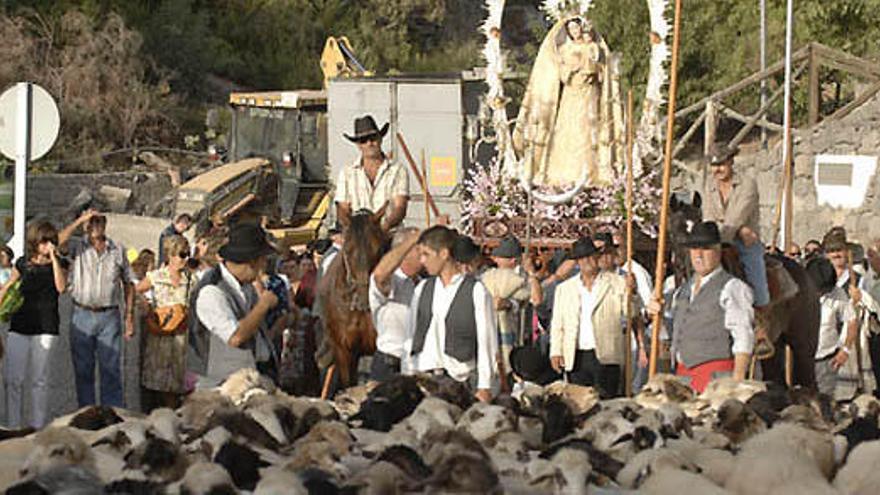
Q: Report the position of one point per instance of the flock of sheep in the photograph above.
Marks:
(427, 435)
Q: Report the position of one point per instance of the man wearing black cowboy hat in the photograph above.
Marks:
(373, 180)
(585, 335)
(512, 286)
(227, 325)
(712, 316)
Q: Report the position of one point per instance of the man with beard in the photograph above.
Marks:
(99, 276)
(373, 180)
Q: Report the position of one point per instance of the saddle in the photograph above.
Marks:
(780, 283)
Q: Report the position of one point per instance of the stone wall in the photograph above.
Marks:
(54, 195)
(856, 134)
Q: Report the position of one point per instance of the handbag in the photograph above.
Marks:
(168, 320)
(12, 301)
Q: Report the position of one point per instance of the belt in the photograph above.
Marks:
(94, 309)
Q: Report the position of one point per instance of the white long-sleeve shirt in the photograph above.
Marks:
(433, 355)
(736, 300)
(836, 313)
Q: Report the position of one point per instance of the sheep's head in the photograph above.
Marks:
(57, 446)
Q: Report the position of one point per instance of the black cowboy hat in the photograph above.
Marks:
(465, 249)
(508, 248)
(530, 364)
(365, 127)
(246, 242)
(583, 248)
(703, 235)
(721, 153)
(607, 240)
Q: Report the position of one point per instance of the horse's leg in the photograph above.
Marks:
(802, 334)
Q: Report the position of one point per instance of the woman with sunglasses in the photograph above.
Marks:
(163, 359)
(33, 330)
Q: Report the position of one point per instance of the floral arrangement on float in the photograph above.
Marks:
(495, 204)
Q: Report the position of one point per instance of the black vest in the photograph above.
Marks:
(461, 325)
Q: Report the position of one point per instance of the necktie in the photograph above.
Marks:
(697, 281)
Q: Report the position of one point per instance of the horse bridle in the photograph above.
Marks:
(357, 303)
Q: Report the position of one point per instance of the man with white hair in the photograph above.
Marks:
(392, 285)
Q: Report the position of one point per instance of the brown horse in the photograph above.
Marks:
(344, 292)
(794, 322)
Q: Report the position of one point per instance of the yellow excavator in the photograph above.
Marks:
(338, 60)
(277, 168)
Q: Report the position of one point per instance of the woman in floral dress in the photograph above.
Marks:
(163, 360)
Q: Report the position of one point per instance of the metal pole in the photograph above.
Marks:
(660, 274)
(24, 115)
(786, 148)
(628, 335)
(763, 66)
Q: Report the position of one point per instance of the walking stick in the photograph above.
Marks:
(860, 380)
(325, 390)
(425, 188)
(415, 170)
(628, 335)
(664, 207)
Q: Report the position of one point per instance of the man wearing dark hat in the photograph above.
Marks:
(373, 180)
(227, 325)
(585, 335)
(511, 287)
(712, 315)
(732, 201)
(451, 328)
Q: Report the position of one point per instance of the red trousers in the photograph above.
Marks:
(701, 374)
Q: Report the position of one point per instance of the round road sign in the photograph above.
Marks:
(45, 121)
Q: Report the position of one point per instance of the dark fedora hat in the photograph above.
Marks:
(583, 248)
(703, 235)
(465, 249)
(365, 127)
(246, 242)
(721, 153)
(508, 248)
(530, 364)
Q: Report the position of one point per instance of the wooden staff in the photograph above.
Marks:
(860, 380)
(664, 207)
(325, 390)
(419, 177)
(425, 189)
(627, 374)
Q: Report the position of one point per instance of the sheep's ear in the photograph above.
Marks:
(697, 200)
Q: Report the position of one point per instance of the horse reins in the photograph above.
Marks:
(357, 303)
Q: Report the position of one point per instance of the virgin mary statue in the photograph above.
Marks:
(570, 125)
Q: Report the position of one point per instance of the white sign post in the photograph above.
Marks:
(29, 124)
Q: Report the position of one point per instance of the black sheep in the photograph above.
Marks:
(242, 463)
(557, 418)
(389, 403)
(95, 418)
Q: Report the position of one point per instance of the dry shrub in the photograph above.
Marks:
(109, 95)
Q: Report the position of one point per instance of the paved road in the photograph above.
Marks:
(62, 389)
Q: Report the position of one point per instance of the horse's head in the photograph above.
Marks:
(365, 240)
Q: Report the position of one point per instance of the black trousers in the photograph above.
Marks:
(874, 352)
(588, 371)
(384, 367)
